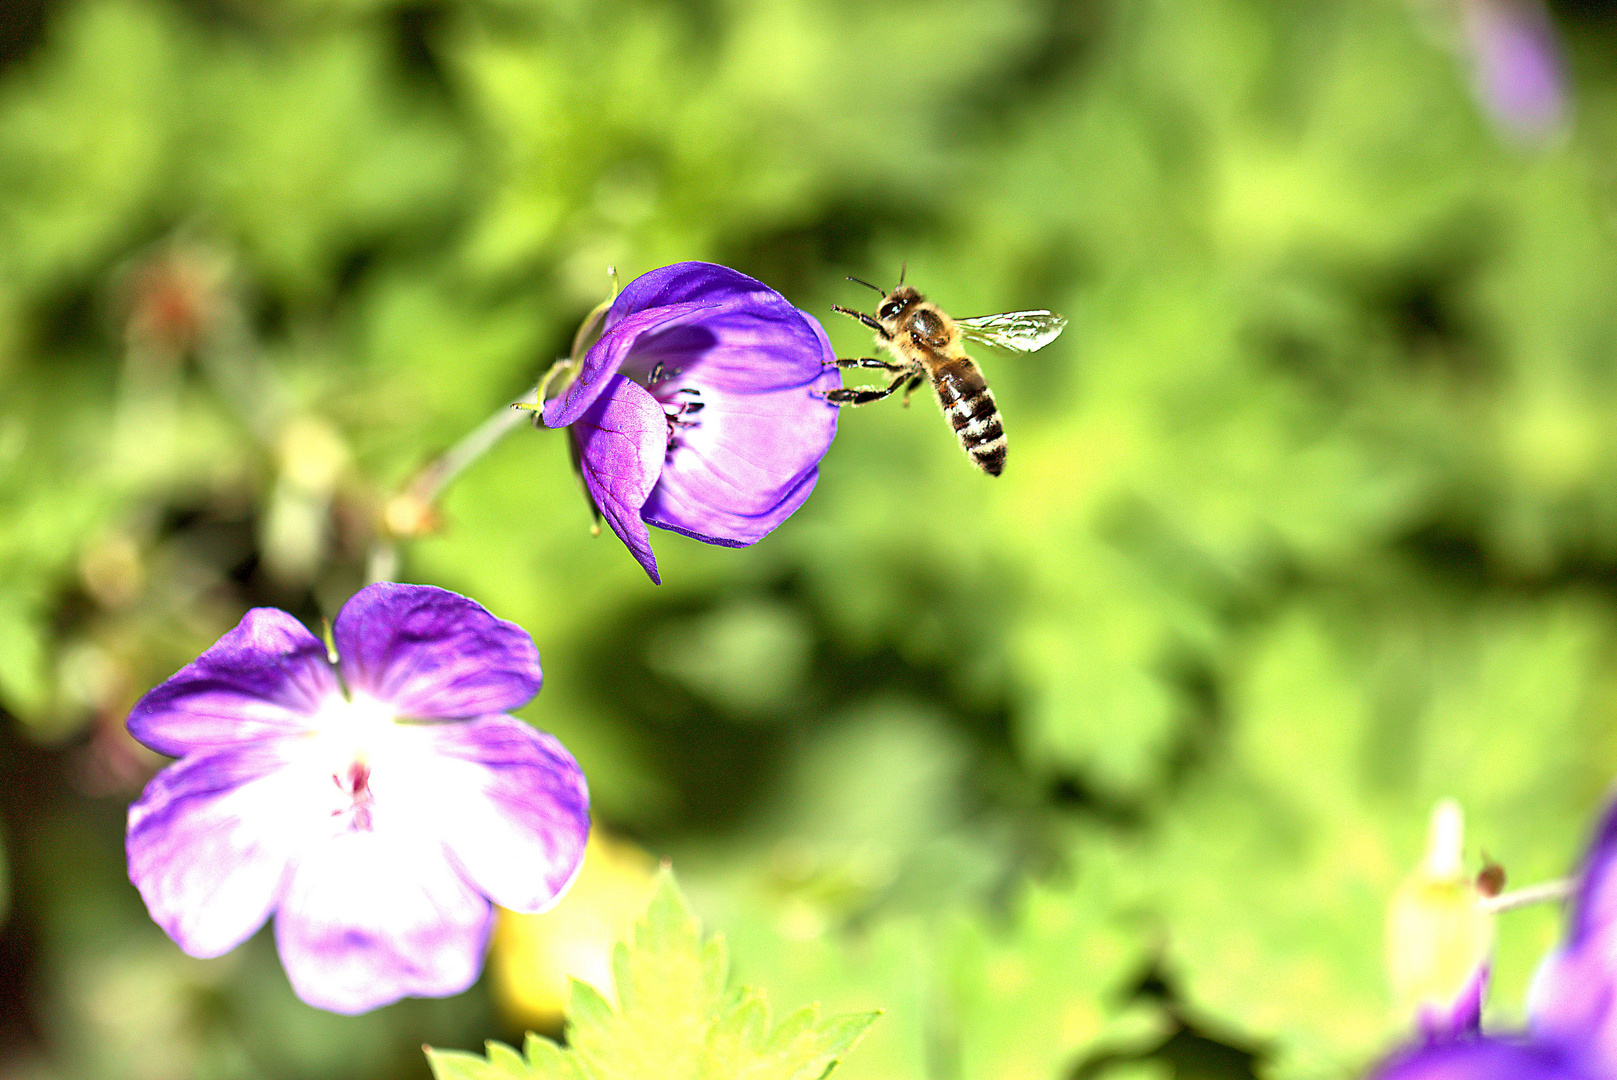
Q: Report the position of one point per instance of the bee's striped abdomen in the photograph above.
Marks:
(969, 405)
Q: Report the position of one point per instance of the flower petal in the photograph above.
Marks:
(373, 916)
(621, 441)
(432, 654)
(1478, 1059)
(687, 282)
(513, 809)
(264, 678)
(209, 842)
(1573, 999)
(608, 354)
(754, 457)
(1460, 1018)
(686, 503)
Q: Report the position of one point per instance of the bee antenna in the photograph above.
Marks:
(903, 268)
(867, 285)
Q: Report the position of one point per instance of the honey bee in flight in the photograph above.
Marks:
(927, 344)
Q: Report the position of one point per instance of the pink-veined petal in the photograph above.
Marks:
(753, 457)
(431, 653)
(690, 282)
(621, 442)
(264, 678)
(370, 917)
(209, 843)
(608, 354)
(514, 809)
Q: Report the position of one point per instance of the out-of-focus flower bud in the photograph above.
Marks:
(1439, 938)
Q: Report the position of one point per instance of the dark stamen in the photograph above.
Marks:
(677, 410)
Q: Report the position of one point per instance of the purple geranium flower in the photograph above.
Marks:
(374, 806)
(701, 408)
(1572, 1007)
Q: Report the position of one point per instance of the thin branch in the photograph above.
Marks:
(1542, 893)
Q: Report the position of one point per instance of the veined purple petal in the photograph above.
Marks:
(719, 305)
(373, 916)
(1573, 999)
(262, 679)
(684, 504)
(621, 337)
(209, 842)
(1478, 1059)
(767, 346)
(755, 457)
(685, 282)
(621, 442)
(432, 654)
(515, 809)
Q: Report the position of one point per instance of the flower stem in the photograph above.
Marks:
(430, 482)
(413, 511)
(1543, 892)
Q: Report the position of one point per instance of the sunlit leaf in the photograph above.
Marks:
(676, 1017)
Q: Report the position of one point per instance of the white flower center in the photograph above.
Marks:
(348, 740)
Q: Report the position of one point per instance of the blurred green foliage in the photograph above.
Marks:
(1105, 768)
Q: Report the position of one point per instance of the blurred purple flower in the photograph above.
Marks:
(1572, 1006)
(700, 409)
(374, 806)
(1461, 1017)
(1516, 65)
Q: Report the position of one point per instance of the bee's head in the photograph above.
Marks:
(897, 302)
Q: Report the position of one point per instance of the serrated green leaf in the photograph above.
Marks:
(461, 1065)
(674, 1020)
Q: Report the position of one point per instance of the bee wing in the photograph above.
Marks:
(1020, 331)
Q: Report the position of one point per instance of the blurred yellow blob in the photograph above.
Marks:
(1438, 933)
(535, 957)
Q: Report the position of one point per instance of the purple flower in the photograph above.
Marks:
(1516, 65)
(700, 409)
(1572, 1007)
(1459, 1018)
(374, 806)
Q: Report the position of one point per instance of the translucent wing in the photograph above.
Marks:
(1023, 331)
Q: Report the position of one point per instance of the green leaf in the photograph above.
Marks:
(675, 1019)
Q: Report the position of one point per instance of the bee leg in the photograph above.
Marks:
(910, 389)
(868, 320)
(864, 361)
(864, 395)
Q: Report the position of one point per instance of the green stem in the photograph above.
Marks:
(411, 511)
(1543, 892)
